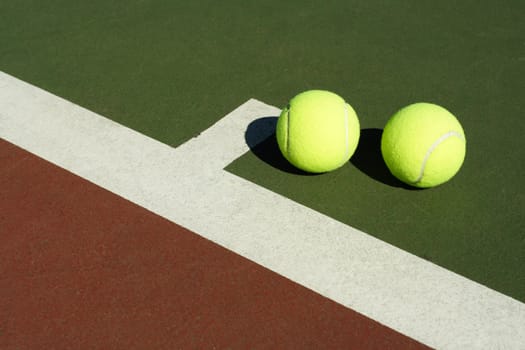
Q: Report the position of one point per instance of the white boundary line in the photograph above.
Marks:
(188, 186)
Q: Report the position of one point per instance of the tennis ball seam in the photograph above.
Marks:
(431, 149)
(287, 141)
(347, 151)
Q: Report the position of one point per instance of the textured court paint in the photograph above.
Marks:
(83, 268)
(111, 65)
(188, 185)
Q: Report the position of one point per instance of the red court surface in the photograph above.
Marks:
(82, 268)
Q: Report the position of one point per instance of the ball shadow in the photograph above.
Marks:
(368, 159)
(260, 138)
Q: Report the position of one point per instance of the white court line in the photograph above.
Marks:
(188, 186)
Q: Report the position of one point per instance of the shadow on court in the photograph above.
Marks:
(260, 137)
(368, 159)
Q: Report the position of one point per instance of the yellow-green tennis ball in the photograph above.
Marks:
(423, 145)
(317, 131)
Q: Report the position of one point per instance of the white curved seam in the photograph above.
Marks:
(346, 132)
(431, 149)
(288, 131)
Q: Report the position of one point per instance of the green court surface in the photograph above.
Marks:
(170, 69)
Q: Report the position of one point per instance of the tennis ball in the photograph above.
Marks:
(317, 131)
(423, 145)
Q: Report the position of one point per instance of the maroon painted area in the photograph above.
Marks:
(82, 268)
